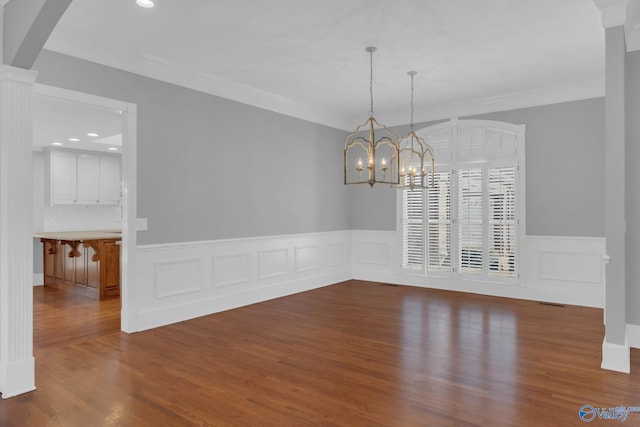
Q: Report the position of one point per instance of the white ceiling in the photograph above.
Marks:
(57, 120)
(306, 58)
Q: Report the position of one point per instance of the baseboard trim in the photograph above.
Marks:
(140, 320)
(38, 279)
(17, 377)
(633, 335)
(616, 357)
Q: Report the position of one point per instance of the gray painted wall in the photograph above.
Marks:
(564, 167)
(632, 157)
(211, 168)
(190, 152)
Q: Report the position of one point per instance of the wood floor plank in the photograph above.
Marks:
(353, 354)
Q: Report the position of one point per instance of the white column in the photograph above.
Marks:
(17, 365)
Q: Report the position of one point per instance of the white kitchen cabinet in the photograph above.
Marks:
(88, 179)
(109, 180)
(79, 178)
(63, 178)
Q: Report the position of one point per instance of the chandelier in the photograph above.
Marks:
(413, 153)
(368, 160)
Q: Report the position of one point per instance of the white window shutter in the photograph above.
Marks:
(470, 227)
(439, 223)
(502, 221)
(413, 229)
(467, 222)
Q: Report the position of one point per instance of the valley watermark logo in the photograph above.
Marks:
(588, 413)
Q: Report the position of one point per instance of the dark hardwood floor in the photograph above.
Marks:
(352, 354)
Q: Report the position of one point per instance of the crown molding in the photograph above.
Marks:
(622, 12)
(553, 95)
(171, 72)
(632, 26)
(167, 71)
(614, 12)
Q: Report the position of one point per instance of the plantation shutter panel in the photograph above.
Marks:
(439, 223)
(502, 221)
(413, 228)
(470, 209)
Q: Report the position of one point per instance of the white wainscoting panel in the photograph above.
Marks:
(571, 266)
(180, 281)
(337, 253)
(307, 258)
(566, 270)
(272, 263)
(231, 269)
(185, 280)
(177, 277)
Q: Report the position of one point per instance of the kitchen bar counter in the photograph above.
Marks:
(83, 261)
(79, 235)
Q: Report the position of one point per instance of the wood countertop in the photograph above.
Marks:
(80, 235)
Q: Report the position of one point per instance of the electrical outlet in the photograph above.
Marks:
(141, 224)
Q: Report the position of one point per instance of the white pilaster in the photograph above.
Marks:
(17, 365)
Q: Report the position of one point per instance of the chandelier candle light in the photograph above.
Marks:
(413, 152)
(381, 155)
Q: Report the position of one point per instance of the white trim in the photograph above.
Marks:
(633, 39)
(20, 377)
(171, 72)
(511, 101)
(128, 255)
(129, 180)
(616, 357)
(633, 335)
(632, 26)
(614, 12)
(167, 71)
(38, 279)
(581, 291)
(198, 283)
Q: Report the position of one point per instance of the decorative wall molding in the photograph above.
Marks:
(165, 70)
(625, 13)
(230, 269)
(176, 277)
(565, 270)
(614, 12)
(273, 263)
(176, 282)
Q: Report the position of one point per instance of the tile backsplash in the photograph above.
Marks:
(78, 218)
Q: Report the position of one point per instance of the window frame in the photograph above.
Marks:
(449, 160)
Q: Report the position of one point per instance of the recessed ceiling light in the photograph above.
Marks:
(144, 3)
(56, 143)
(92, 134)
(74, 140)
(113, 149)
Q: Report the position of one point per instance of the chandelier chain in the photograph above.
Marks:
(371, 81)
(412, 74)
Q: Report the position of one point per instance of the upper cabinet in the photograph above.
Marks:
(88, 179)
(82, 179)
(109, 190)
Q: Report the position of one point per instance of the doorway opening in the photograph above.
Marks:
(95, 132)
